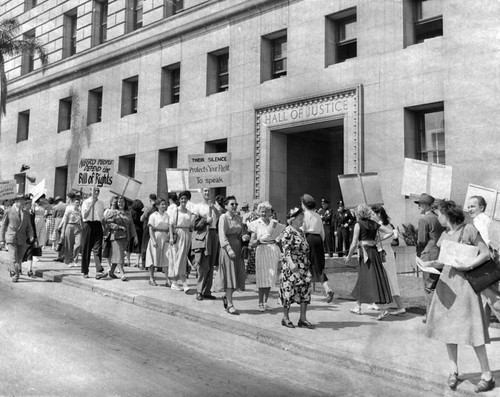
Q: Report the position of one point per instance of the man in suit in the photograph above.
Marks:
(205, 245)
(16, 231)
(429, 231)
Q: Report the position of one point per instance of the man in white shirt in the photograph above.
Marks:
(482, 222)
(205, 245)
(92, 233)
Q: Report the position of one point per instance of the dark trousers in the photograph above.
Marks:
(343, 240)
(328, 243)
(206, 260)
(92, 236)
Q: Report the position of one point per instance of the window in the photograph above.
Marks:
(94, 114)
(29, 4)
(130, 90)
(61, 181)
(167, 158)
(134, 15)
(218, 71)
(273, 63)
(170, 84)
(217, 146)
(23, 123)
(425, 133)
(28, 59)
(69, 39)
(423, 19)
(64, 122)
(340, 36)
(100, 22)
(172, 7)
(126, 165)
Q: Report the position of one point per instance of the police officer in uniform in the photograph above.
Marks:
(327, 217)
(343, 221)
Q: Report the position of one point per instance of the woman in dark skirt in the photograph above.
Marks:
(315, 234)
(372, 285)
(136, 214)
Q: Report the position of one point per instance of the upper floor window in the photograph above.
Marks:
(94, 114)
(423, 19)
(69, 38)
(134, 15)
(23, 123)
(218, 71)
(130, 92)
(172, 7)
(170, 84)
(341, 36)
(425, 133)
(64, 122)
(273, 63)
(126, 165)
(100, 22)
(29, 4)
(28, 58)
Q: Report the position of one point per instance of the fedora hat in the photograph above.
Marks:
(425, 199)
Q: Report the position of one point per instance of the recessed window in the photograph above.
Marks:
(217, 146)
(170, 84)
(134, 15)
(422, 20)
(130, 91)
(167, 158)
(172, 7)
(126, 165)
(94, 114)
(29, 4)
(23, 124)
(425, 133)
(61, 181)
(64, 122)
(273, 56)
(28, 58)
(69, 38)
(341, 36)
(218, 71)
(100, 22)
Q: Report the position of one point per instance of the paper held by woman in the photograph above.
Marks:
(451, 251)
(427, 266)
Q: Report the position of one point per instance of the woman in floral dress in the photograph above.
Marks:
(295, 278)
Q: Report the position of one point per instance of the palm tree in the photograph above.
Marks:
(12, 45)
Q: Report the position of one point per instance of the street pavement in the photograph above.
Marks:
(394, 348)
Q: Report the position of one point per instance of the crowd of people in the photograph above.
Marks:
(221, 244)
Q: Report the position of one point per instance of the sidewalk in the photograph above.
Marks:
(394, 348)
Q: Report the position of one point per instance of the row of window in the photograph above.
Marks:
(340, 36)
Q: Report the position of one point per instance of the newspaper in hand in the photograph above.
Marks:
(427, 266)
(451, 251)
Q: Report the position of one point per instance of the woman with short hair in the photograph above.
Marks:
(158, 245)
(456, 314)
(267, 253)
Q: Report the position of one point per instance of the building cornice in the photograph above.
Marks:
(136, 44)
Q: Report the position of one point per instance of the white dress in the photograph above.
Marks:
(390, 261)
(158, 256)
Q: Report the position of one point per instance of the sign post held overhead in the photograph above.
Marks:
(209, 170)
(423, 177)
(125, 186)
(360, 189)
(94, 172)
(177, 179)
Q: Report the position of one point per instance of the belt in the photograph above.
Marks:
(367, 243)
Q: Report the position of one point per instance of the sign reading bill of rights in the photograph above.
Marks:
(209, 170)
(95, 172)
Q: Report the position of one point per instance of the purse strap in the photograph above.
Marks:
(461, 234)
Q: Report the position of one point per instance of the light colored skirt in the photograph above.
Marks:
(267, 257)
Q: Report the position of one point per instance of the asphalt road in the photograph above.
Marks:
(57, 340)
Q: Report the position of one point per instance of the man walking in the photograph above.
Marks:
(92, 233)
(429, 231)
(205, 245)
(16, 231)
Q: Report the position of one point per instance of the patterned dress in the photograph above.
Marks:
(295, 287)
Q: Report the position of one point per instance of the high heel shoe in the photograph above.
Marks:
(224, 301)
(232, 310)
(30, 273)
(305, 324)
(287, 323)
(485, 385)
(453, 380)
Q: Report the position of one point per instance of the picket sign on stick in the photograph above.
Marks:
(177, 179)
(8, 190)
(423, 177)
(126, 186)
(360, 189)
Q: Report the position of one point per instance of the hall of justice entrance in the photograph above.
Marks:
(306, 159)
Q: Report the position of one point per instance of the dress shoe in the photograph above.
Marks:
(209, 297)
(100, 275)
(15, 279)
(58, 260)
(224, 301)
(382, 315)
(485, 385)
(85, 276)
(329, 297)
(112, 275)
(305, 324)
(287, 323)
(199, 297)
(232, 310)
(398, 312)
(453, 380)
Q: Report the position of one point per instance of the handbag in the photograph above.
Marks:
(382, 253)
(36, 251)
(483, 276)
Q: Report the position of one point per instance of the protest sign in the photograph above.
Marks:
(125, 186)
(423, 177)
(38, 190)
(177, 179)
(360, 189)
(95, 172)
(8, 190)
(209, 170)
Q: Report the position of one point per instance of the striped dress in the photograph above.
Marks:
(267, 255)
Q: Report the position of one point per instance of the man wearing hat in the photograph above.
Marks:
(325, 213)
(343, 221)
(16, 231)
(429, 231)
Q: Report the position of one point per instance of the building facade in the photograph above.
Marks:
(298, 91)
